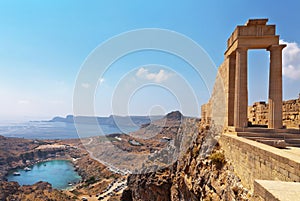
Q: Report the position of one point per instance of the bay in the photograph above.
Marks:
(59, 173)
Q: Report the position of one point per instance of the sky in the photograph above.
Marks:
(45, 44)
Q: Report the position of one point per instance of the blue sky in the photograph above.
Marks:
(43, 45)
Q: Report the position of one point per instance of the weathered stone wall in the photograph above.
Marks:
(215, 111)
(253, 160)
(258, 113)
(291, 113)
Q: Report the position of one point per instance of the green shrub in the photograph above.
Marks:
(91, 180)
(218, 159)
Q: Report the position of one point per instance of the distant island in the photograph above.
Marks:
(112, 120)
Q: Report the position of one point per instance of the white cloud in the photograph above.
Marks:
(159, 77)
(88, 85)
(101, 80)
(56, 102)
(291, 60)
(23, 102)
(85, 85)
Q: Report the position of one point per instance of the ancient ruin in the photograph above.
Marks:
(255, 34)
(258, 113)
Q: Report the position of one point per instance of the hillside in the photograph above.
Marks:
(196, 175)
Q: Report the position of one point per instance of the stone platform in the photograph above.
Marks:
(254, 160)
(280, 138)
(276, 190)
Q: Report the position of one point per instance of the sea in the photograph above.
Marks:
(48, 171)
(58, 130)
(51, 171)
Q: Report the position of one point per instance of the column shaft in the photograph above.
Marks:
(231, 89)
(275, 87)
(241, 89)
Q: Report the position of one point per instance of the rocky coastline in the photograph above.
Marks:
(181, 160)
(19, 153)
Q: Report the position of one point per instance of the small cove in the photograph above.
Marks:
(59, 173)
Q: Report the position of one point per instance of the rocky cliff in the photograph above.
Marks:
(38, 192)
(19, 152)
(201, 173)
(178, 164)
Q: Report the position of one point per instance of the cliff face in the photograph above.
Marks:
(38, 192)
(150, 186)
(196, 175)
(18, 152)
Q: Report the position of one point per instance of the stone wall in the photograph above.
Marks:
(215, 111)
(258, 113)
(253, 160)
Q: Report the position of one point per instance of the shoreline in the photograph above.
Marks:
(45, 161)
(39, 151)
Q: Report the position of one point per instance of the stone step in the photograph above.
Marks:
(292, 141)
(274, 143)
(263, 138)
(259, 135)
(256, 130)
(279, 140)
(264, 130)
(269, 135)
(292, 145)
(276, 190)
(288, 142)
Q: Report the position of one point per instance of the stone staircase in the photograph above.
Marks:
(280, 138)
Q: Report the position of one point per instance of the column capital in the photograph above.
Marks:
(232, 55)
(276, 47)
(241, 49)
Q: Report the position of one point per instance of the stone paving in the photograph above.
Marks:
(277, 190)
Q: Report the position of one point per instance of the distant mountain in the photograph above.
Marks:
(111, 120)
(67, 119)
(175, 115)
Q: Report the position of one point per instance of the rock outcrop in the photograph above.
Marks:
(16, 153)
(38, 192)
(19, 152)
(196, 175)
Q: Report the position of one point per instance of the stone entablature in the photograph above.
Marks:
(248, 34)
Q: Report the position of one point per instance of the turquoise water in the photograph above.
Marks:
(57, 172)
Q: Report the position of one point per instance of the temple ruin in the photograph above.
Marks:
(255, 34)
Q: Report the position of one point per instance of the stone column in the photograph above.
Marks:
(275, 86)
(231, 89)
(241, 89)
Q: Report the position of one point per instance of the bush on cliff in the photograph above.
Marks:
(218, 159)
